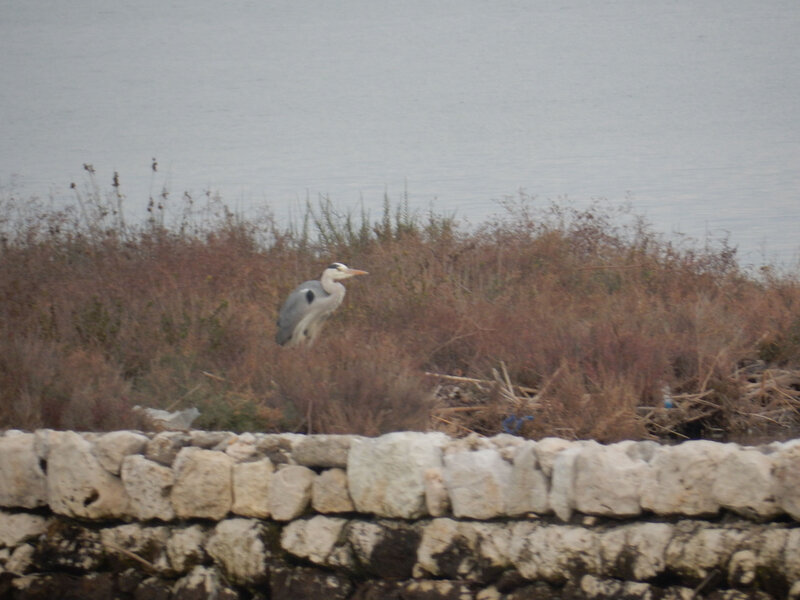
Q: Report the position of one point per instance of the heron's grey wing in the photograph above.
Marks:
(295, 308)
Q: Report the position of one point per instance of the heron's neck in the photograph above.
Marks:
(333, 287)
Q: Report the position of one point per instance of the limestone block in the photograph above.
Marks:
(697, 548)
(21, 559)
(787, 479)
(562, 483)
(546, 451)
(185, 547)
(463, 550)
(77, 486)
(681, 478)
(437, 500)
(16, 528)
(527, 490)
(386, 475)
(239, 547)
(323, 450)
(251, 481)
(165, 446)
(607, 481)
(23, 483)
(242, 447)
(744, 484)
(636, 551)
(554, 553)
(329, 492)
(145, 542)
(314, 538)
(203, 484)
(112, 447)
(477, 483)
(148, 485)
(387, 549)
(202, 582)
(290, 492)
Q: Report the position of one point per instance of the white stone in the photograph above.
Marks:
(203, 484)
(323, 450)
(148, 485)
(313, 538)
(77, 486)
(476, 546)
(242, 448)
(329, 492)
(23, 483)
(787, 479)
(201, 582)
(147, 543)
(546, 451)
(386, 475)
(237, 545)
(744, 484)
(476, 483)
(640, 546)
(527, 490)
(437, 500)
(185, 547)
(681, 478)
(16, 528)
(562, 483)
(251, 481)
(111, 448)
(552, 552)
(696, 549)
(290, 492)
(607, 481)
(21, 559)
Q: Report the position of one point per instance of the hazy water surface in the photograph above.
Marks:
(689, 110)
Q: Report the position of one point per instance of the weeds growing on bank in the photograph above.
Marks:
(544, 321)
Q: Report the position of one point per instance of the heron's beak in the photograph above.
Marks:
(356, 272)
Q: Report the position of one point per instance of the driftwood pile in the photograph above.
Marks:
(765, 407)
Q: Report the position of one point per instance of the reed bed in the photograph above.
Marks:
(546, 320)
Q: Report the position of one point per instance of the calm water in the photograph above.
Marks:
(689, 110)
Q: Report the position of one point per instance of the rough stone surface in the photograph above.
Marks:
(744, 484)
(148, 543)
(297, 583)
(546, 451)
(437, 500)
(251, 481)
(384, 548)
(202, 583)
(787, 479)
(323, 450)
(607, 481)
(554, 553)
(476, 483)
(186, 547)
(110, 449)
(240, 548)
(562, 484)
(23, 482)
(203, 484)
(329, 493)
(77, 486)
(636, 551)
(149, 486)
(164, 447)
(681, 478)
(386, 475)
(313, 539)
(463, 550)
(16, 528)
(528, 486)
(290, 492)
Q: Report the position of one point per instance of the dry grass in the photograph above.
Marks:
(545, 321)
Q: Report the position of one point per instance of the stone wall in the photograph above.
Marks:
(407, 515)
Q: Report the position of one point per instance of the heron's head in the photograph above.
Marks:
(340, 271)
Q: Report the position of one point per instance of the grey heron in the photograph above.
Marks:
(302, 315)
